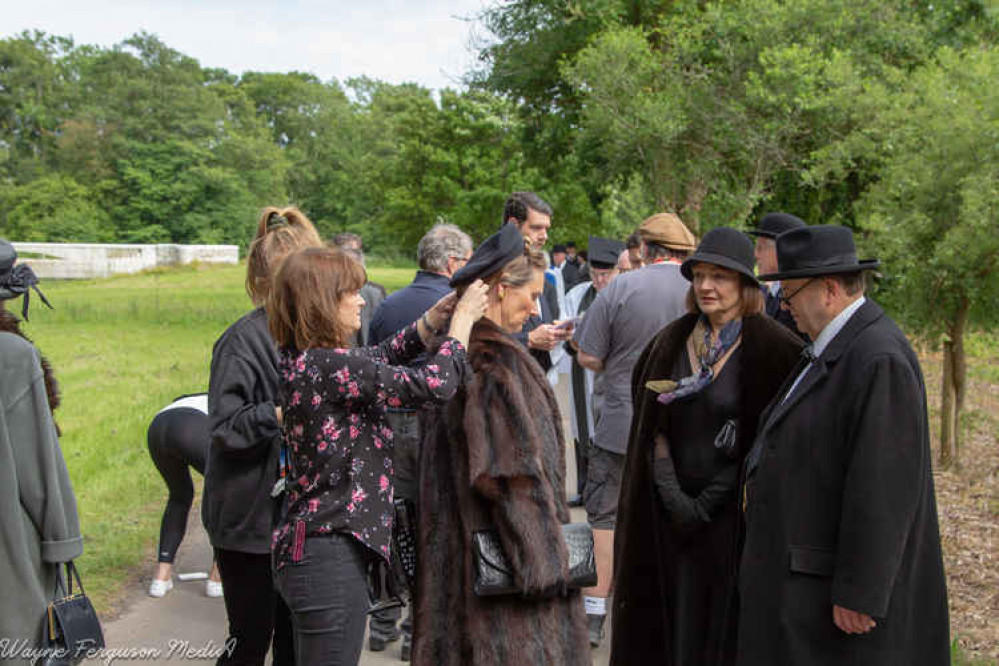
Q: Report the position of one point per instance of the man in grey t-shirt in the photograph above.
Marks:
(612, 335)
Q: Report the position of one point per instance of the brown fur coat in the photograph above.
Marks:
(495, 457)
(11, 324)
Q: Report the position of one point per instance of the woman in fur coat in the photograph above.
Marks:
(698, 389)
(495, 458)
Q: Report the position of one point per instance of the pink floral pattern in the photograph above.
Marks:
(340, 448)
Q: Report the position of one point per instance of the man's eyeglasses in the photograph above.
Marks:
(785, 299)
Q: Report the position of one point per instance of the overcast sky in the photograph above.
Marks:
(423, 41)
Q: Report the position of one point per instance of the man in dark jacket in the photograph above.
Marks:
(769, 228)
(842, 561)
(441, 252)
(533, 217)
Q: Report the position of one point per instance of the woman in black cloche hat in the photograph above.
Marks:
(699, 389)
(494, 458)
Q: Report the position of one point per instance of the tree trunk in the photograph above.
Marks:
(953, 389)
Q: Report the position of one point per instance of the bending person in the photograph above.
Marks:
(178, 440)
(495, 458)
(338, 512)
(698, 391)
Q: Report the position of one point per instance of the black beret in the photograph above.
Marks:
(491, 256)
(603, 252)
(773, 225)
(558, 248)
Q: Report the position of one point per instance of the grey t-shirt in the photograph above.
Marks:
(616, 328)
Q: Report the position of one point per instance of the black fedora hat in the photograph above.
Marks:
(604, 251)
(773, 225)
(725, 247)
(816, 251)
(493, 254)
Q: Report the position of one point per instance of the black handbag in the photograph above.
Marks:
(389, 583)
(72, 628)
(494, 576)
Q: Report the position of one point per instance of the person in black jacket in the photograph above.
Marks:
(769, 228)
(842, 561)
(237, 508)
(533, 218)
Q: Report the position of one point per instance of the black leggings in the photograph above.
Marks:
(178, 439)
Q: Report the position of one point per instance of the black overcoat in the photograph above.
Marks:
(644, 551)
(841, 510)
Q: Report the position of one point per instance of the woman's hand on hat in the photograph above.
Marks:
(469, 310)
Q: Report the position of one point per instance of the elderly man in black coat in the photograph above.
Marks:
(842, 560)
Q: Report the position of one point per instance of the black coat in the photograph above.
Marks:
(841, 510)
(645, 546)
(549, 313)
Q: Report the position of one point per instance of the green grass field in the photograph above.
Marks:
(122, 348)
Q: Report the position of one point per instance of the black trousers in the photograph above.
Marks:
(178, 440)
(327, 594)
(406, 429)
(256, 612)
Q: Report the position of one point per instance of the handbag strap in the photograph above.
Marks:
(72, 573)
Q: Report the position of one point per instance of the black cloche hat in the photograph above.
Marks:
(603, 252)
(725, 247)
(773, 225)
(816, 251)
(493, 254)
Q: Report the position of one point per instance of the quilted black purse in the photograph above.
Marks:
(493, 574)
(72, 628)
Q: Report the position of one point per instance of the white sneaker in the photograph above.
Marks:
(159, 588)
(213, 588)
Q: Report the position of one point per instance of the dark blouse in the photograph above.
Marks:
(693, 422)
(340, 450)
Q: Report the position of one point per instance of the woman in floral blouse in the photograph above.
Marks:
(339, 508)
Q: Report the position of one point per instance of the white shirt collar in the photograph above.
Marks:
(774, 287)
(835, 326)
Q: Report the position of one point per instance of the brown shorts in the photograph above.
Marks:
(603, 484)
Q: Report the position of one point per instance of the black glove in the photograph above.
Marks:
(685, 514)
(688, 514)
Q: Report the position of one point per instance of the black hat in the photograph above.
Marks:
(603, 252)
(725, 247)
(558, 248)
(815, 251)
(17, 280)
(493, 254)
(571, 244)
(773, 225)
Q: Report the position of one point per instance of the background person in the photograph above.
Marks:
(372, 292)
(611, 337)
(178, 439)
(339, 513)
(39, 526)
(767, 230)
(842, 561)
(494, 457)
(532, 217)
(237, 507)
(605, 253)
(676, 542)
(442, 251)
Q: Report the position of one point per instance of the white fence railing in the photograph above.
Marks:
(95, 260)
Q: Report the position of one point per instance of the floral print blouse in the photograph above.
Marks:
(339, 446)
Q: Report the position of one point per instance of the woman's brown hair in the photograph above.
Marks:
(279, 231)
(750, 298)
(303, 306)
